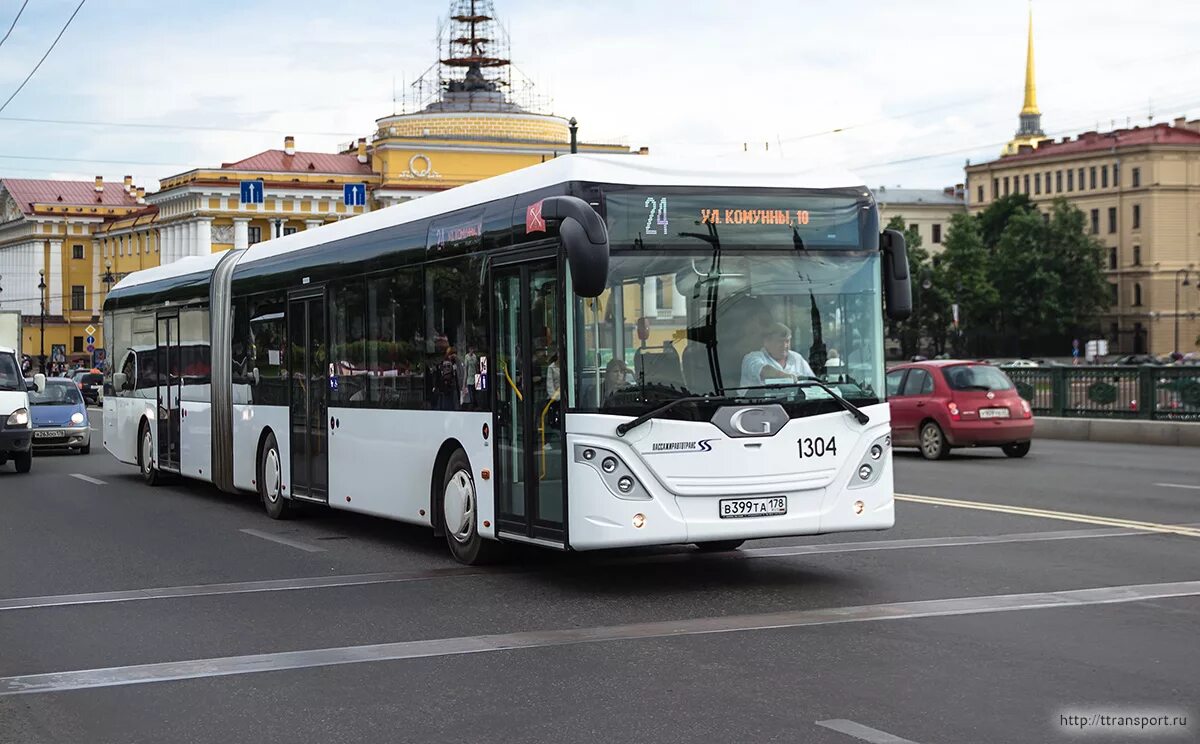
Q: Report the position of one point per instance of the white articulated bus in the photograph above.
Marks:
(593, 352)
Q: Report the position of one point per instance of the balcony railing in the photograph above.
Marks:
(1145, 392)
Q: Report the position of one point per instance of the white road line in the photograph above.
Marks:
(1177, 485)
(397, 577)
(89, 479)
(285, 541)
(866, 733)
(440, 647)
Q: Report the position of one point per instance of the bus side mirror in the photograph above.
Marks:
(896, 282)
(39, 382)
(118, 381)
(585, 239)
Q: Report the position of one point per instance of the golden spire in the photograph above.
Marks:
(1030, 106)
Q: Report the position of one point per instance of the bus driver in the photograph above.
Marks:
(775, 362)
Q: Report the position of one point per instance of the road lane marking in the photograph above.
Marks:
(865, 733)
(1048, 514)
(440, 647)
(89, 479)
(397, 577)
(1177, 485)
(298, 545)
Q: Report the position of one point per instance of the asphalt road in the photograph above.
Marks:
(1010, 594)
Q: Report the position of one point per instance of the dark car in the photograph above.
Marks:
(90, 383)
(944, 404)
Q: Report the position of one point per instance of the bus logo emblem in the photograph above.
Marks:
(533, 218)
(751, 421)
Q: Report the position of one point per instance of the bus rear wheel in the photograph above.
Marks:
(270, 481)
(719, 546)
(460, 514)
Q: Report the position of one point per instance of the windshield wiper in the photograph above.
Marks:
(622, 429)
(850, 407)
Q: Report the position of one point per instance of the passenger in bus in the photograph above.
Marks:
(775, 362)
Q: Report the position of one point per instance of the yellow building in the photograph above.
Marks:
(1140, 190)
(928, 210)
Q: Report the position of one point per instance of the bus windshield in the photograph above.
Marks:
(749, 323)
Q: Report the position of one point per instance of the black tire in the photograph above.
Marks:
(23, 461)
(1016, 449)
(150, 473)
(933, 443)
(270, 480)
(86, 449)
(719, 546)
(459, 497)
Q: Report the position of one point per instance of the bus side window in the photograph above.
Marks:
(129, 369)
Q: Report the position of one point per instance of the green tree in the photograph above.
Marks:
(995, 217)
(1078, 258)
(963, 274)
(909, 332)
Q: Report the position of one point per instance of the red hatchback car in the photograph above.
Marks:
(943, 404)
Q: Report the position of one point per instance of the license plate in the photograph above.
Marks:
(993, 413)
(46, 433)
(761, 507)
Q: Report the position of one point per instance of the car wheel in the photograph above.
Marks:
(150, 473)
(85, 449)
(270, 481)
(23, 461)
(933, 442)
(1016, 449)
(460, 514)
(719, 546)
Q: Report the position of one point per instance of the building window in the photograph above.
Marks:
(1137, 255)
(1116, 175)
(77, 252)
(78, 300)
(1104, 176)
(1095, 221)
(979, 193)
(1070, 180)
(1047, 182)
(289, 230)
(995, 188)
(1113, 294)
(937, 232)
(1136, 175)
(1112, 258)
(254, 235)
(1082, 183)
(1037, 183)
(1112, 220)
(77, 344)
(1137, 295)
(1137, 216)
(1058, 182)
(1025, 189)
(1006, 185)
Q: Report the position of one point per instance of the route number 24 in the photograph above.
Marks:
(657, 215)
(816, 447)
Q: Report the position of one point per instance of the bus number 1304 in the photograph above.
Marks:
(816, 447)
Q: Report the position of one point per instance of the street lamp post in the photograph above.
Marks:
(42, 300)
(1178, 284)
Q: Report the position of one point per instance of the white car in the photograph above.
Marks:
(16, 426)
(1020, 363)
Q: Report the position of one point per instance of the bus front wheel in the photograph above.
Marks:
(150, 473)
(270, 480)
(460, 514)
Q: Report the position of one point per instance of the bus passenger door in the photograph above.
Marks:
(531, 494)
(308, 396)
(169, 391)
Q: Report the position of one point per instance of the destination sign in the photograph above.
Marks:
(456, 234)
(648, 219)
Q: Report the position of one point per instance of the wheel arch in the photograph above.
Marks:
(448, 448)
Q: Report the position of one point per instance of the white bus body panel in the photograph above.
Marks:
(195, 440)
(686, 484)
(381, 461)
(122, 420)
(249, 422)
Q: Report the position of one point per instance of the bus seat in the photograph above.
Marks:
(660, 366)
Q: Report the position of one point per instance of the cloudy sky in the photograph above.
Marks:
(917, 88)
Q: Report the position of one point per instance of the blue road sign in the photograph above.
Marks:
(252, 192)
(91, 348)
(354, 194)
(91, 340)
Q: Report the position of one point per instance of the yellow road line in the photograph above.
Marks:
(1048, 514)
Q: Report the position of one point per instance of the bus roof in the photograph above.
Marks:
(633, 170)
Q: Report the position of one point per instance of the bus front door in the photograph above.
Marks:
(170, 388)
(531, 495)
(308, 396)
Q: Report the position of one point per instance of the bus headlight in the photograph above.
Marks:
(616, 475)
(609, 464)
(876, 452)
(871, 465)
(625, 484)
(864, 472)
